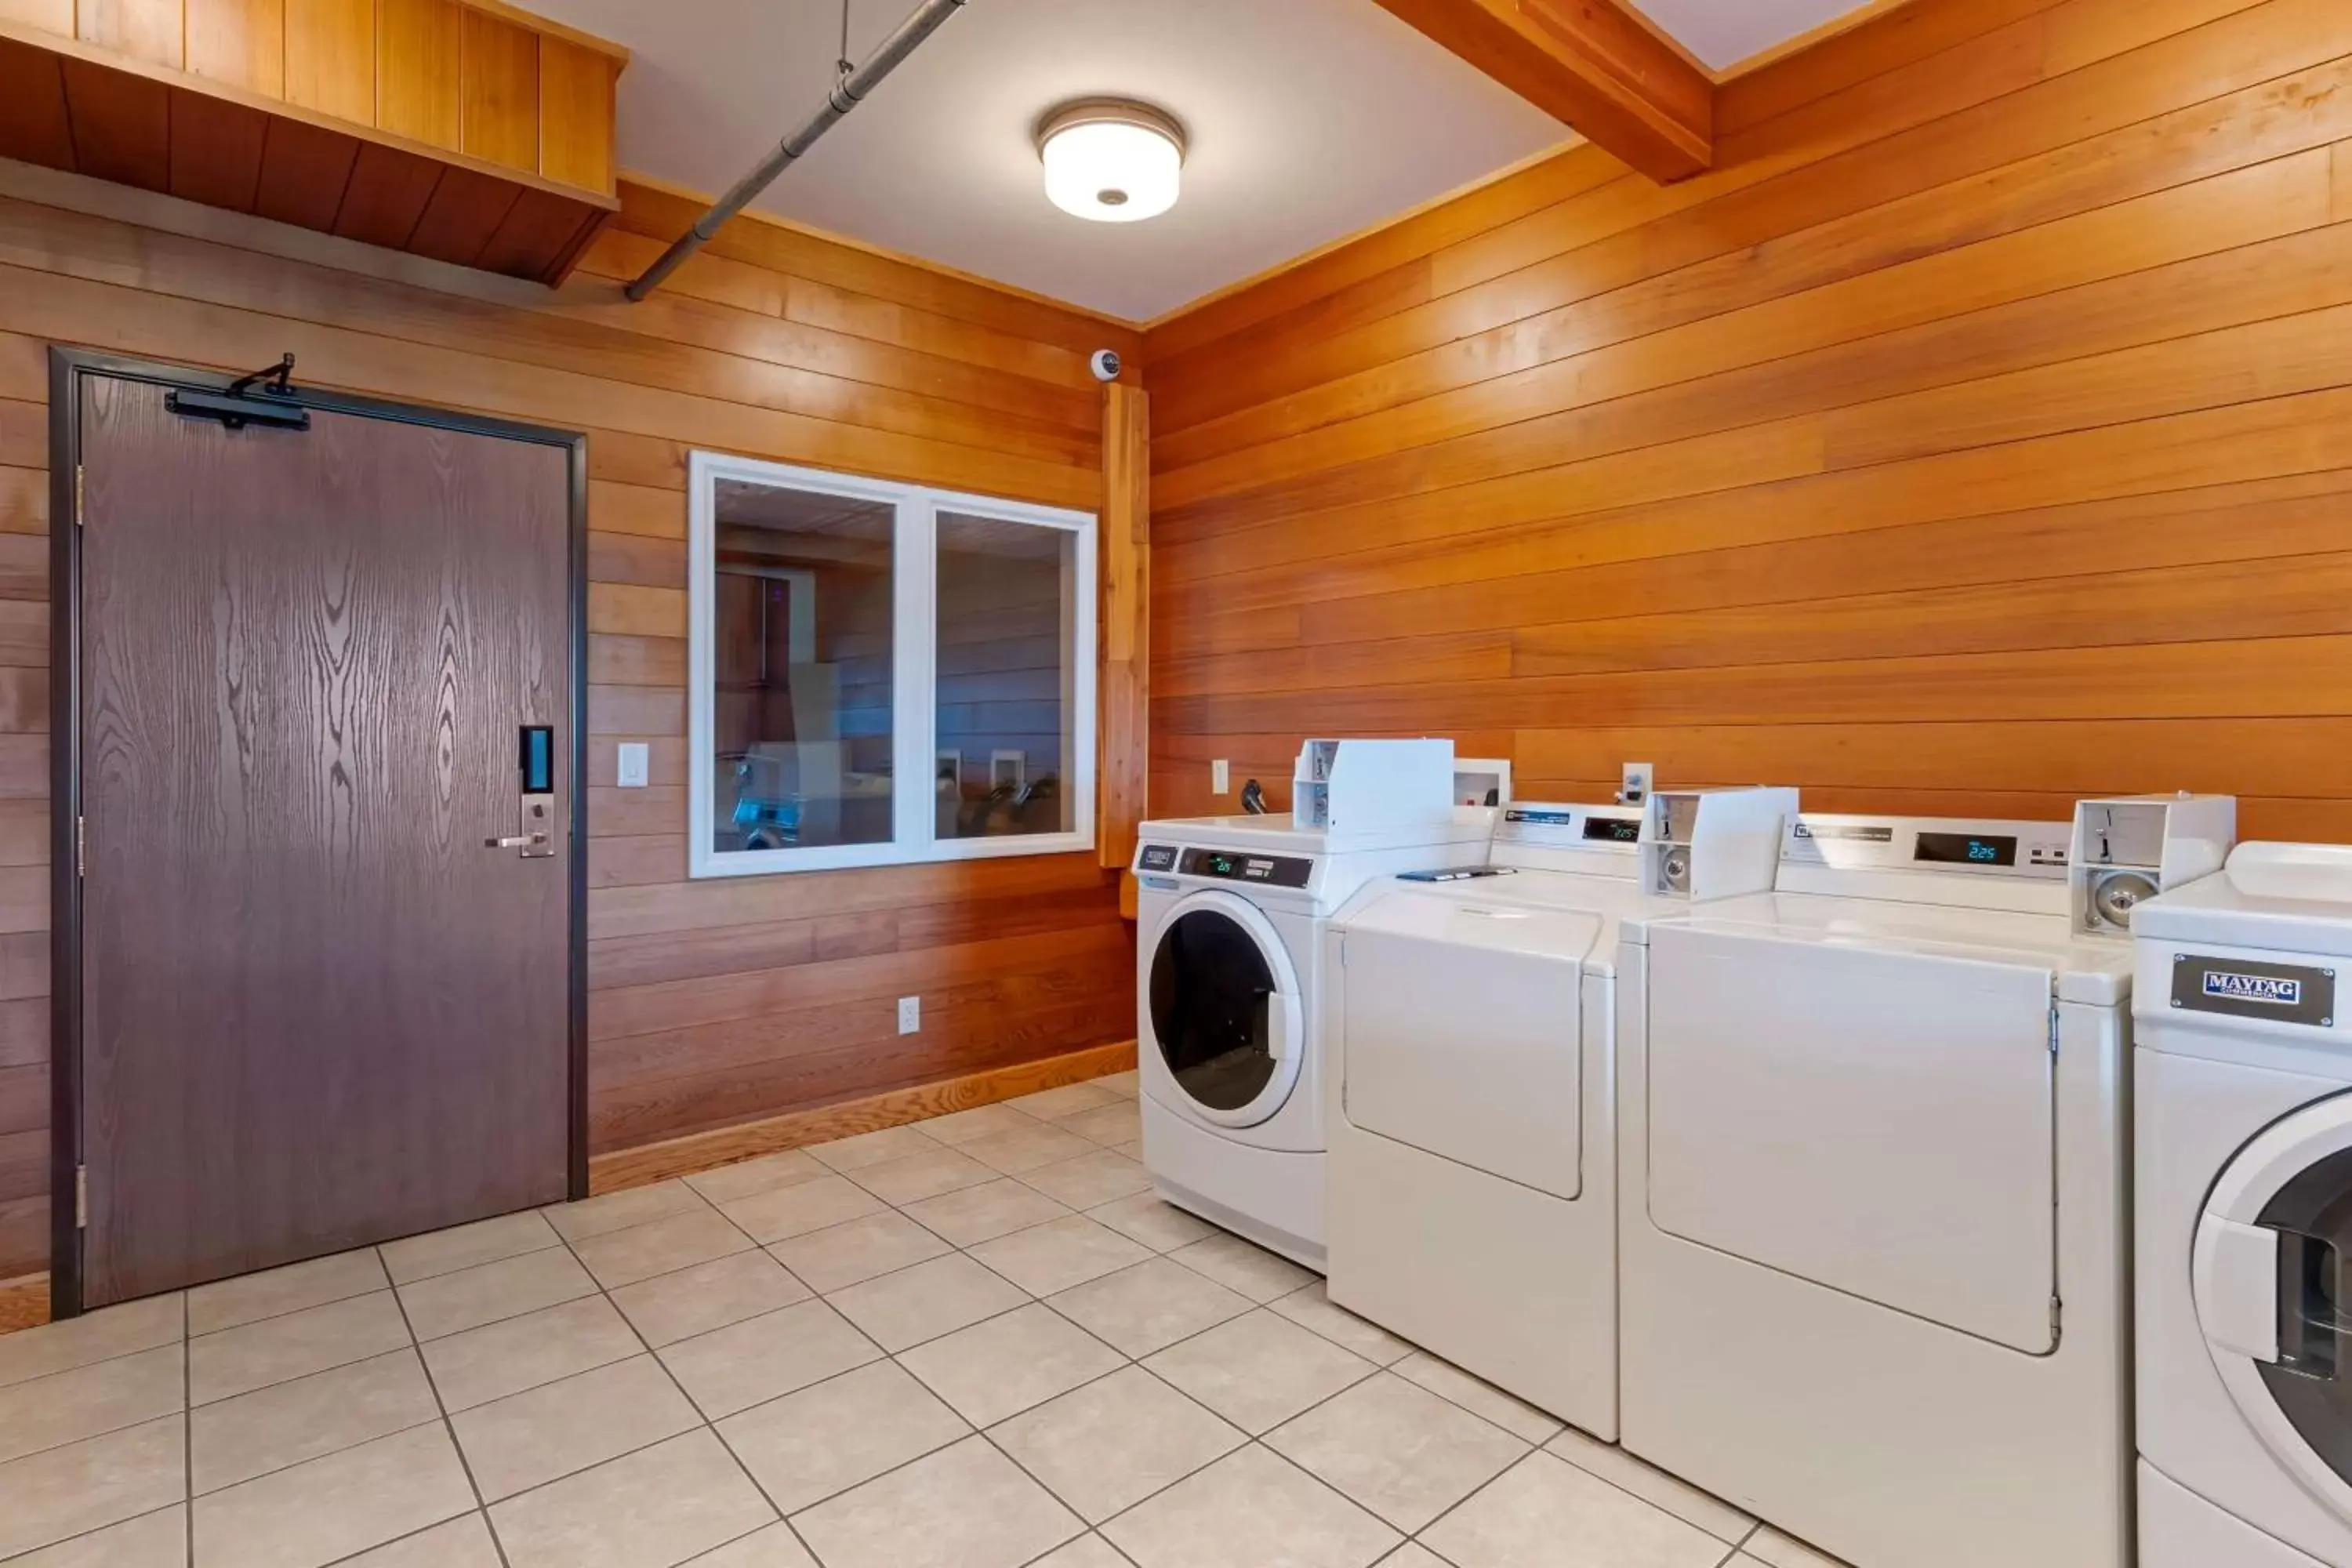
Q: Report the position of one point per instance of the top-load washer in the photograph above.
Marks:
(1875, 1155)
(2244, 1215)
(1470, 1040)
(1231, 912)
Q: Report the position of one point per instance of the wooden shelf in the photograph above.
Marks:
(486, 139)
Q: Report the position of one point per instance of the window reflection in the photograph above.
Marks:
(1008, 604)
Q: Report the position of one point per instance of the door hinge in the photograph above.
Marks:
(78, 503)
(2054, 1028)
(1343, 952)
(2057, 1312)
(81, 845)
(81, 1197)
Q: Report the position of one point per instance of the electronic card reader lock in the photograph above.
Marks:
(536, 840)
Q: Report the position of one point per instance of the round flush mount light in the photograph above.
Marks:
(1111, 160)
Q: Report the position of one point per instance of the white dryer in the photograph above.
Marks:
(1471, 1048)
(1231, 912)
(2244, 1215)
(1874, 1155)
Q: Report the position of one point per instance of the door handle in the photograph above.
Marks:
(518, 841)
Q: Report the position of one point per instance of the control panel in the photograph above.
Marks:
(2030, 849)
(1231, 866)
(1569, 826)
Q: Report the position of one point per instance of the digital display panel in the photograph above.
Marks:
(1613, 830)
(1966, 849)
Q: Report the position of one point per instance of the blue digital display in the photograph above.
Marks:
(1966, 849)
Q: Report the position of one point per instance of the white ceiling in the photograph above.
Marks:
(1308, 120)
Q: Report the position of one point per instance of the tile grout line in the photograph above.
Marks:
(448, 1427)
(188, 1430)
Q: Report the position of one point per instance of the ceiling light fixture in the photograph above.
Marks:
(1111, 160)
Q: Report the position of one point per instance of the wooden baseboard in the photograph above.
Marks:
(24, 1302)
(730, 1145)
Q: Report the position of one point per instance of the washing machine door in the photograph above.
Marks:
(1226, 1016)
(2272, 1275)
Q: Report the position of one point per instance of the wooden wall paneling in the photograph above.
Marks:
(1124, 557)
(121, 125)
(216, 152)
(419, 45)
(500, 77)
(240, 42)
(149, 31)
(461, 217)
(33, 126)
(49, 15)
(387, 195)
(330, 57)
(305, 170)
(576, 116)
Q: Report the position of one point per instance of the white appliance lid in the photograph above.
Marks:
(1278, 831)
(2293, 897)
(1553, 914)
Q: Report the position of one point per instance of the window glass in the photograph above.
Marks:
(801, 667)
(1007, 679)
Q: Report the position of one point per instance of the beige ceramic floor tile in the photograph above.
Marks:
(1090, 1179)
(762, 1358)
(774, 1547)
(984, 1212)
(67, 1406)
(1259, 1371)
(288, 1423)
(158, 1540)
(964, 1127)
(1108, 1125)
(529, 1439)
(506, 1357)
(94, 1337)
(1312, 1308)
(59, 1493)
(1026, 1148)
(766, 1173)
(467, 1245)
(920, 1176)
(1085, 1552)
(1676, 1496)
(1477, 1396)
(708, 1296)
(1397, 1448)
(964, 1506)
(1149, 1307)
(1001, 1367)
(618, 1211)
(806, 1446)
(903, 1309)
(1546, 1510)
(871, 1148)
(1108, 1446)
(451, 1303)
(653, 1508)
(1242, 1266)
(782, 1211)
(461, 1542)
(1070, 1099)
(840, 1256)
(1159, 1225)
(1770, 1546)
(1123, 1084)
(1251, 1507)
(619, 1258)
(278, 1291)
(1054, 1257)
(1412, 1554)
(1133, 1150)
(238, 1361)
(333, 1507)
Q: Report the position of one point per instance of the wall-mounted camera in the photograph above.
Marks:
(1106, 364)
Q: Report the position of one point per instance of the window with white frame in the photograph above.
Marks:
(883, 673)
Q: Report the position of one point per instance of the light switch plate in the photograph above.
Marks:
(1221, 777)
(1637, 788)
(910, 1015)
(634, 764)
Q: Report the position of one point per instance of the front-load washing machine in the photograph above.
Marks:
(2244, 1215)
(1471, 1058)
(1874, 1179)
(1230, 917)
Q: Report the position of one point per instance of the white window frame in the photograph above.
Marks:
(914, 668)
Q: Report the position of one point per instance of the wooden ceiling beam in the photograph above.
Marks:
(1591, 64)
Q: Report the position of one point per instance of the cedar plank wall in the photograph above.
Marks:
(712, 1003)
(1975, 437)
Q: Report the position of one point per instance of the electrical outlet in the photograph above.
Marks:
(634, 764)
(1221, 777)
(910, 1015)
(1637, 783)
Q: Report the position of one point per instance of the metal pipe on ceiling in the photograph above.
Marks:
(846, 95)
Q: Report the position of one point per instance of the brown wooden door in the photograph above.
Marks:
(317, 1010)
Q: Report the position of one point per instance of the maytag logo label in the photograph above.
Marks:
(2269, 990)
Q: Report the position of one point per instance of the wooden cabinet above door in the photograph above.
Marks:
(463, 130)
